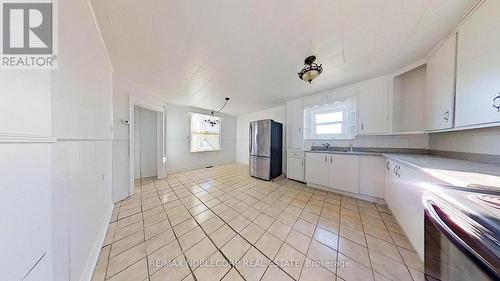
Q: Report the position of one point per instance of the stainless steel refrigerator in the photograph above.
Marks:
(266, 141)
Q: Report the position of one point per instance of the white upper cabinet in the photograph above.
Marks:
(373, 107)
(294, 121)
(440, 86)
(478, 67)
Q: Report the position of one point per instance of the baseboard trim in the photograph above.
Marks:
(88, 271)
(355, 195)
(197, 167)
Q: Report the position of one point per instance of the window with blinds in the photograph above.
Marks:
(335, 120)
(204, 136)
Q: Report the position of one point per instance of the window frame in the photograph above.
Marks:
(342, 105)
(193, 132)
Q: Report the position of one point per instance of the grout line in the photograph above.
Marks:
(397, 248)
(233, 186)
(366, 241)
(175, 235)
(144, 231)
(251, 245)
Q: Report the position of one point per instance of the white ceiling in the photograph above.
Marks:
(197, 52)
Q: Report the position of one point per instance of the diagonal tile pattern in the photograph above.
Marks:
(220, 224)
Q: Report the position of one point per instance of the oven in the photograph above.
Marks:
(462, 233)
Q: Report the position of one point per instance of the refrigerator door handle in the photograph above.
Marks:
(250, 138)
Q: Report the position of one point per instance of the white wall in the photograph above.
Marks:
(179, 156)
(122, 90)
(177, 130)
(25, 174)
(82, 163)
(420, 141)
(484, 141)
(277, 114)
(145, 141)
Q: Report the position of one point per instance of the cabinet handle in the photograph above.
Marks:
(387, 166)
(302, 163)
(362, 126)
(394, 170)
(326, 158)
(397, 172)
(331, 159)
(446, 115)
(496, 102)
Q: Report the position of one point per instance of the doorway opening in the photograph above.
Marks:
(145, 145)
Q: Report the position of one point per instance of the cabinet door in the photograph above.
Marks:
(410, 214)
(317, 168)
(294, 117)
(389, 182)
(295, 169)
(440, 86)
(478, 67)
(373, 106)
(371, 176)
(344, 172)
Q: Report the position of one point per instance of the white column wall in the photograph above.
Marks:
(82, 157)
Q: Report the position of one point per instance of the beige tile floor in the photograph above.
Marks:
(221, 224)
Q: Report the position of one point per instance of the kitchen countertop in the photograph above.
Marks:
(345, 152)
(456, 172)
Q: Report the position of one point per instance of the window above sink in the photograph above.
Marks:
(334, 120)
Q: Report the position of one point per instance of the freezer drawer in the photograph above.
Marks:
(260, 167)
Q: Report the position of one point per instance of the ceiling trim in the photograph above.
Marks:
(98, 28)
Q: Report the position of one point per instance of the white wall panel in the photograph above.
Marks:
(25, 102)
(81, 120)
(485, 141)
(25, 208)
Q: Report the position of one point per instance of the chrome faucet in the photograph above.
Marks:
(327, 146)
(350, 147)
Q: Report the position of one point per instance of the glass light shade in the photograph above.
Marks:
(310, 75)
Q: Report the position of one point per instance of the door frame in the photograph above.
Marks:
(161, 157)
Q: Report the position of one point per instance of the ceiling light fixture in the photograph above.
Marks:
(211, 120)
(311, 69)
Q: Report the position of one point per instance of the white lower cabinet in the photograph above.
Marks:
(403, 195)
(371, 176)
(295, 167)
(317, 168)
(344, 172)
(333, 170)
